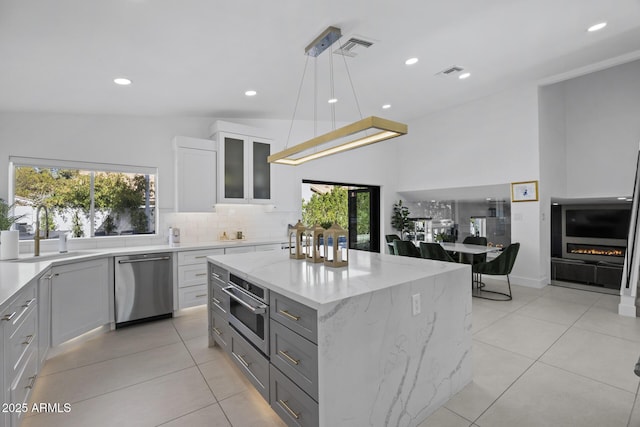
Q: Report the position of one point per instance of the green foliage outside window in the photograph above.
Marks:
(326, 209)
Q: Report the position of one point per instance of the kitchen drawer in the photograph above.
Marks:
(220, 301)
(22, 385)
(295, 316)
(191, 275)
(192, 296)
(23, 340)
(218, 275)
(293, 406)
(253, 364)
(220, 330)
(14, 314)
(296, 357)
(197, 257)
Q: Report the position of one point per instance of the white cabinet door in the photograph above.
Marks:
(196, 170)
(79, 299)
(44, 315)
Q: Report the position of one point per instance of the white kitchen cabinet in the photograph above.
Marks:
(245, 173)
(239, 249)
(19, 351)
(192, 276)
(195, 174)
(79, 299)
(44, 315)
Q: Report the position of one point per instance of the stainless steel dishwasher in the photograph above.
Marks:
(143, 288)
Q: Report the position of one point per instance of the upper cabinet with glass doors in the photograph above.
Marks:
(245, 173)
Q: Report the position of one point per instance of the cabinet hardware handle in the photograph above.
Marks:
(262, 308)
(56, 275)
(201, 274)
(28, 303)
(216, 300)
(28, 340)
(201, 256)
(217, 276)
(32, 381)
(241, 359)
(289, 315)
(289, 358)
(131, 261)
(217, 331)
(201, 295)
(8, 317)
(49, 277)
(283, 403)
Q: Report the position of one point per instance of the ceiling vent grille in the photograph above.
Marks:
(449, 71)
(349, 47)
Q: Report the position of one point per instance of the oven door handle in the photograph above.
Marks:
(255, 310)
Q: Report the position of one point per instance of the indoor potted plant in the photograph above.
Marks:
(400, 218)
(8, 238)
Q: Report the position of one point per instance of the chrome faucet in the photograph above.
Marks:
(36, 237)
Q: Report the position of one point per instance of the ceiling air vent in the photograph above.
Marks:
(348, 48)
(449, 71)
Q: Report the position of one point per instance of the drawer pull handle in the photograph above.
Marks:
(32, 381)
(217, 276)
(216, 300)
(28, 303)
(241, 359)
(289, 358)
(8, 317)
(201, 274)
(283, 403)
(201, 295)
(217, 331)
(289, 315)
(28, 340)
(201, 256)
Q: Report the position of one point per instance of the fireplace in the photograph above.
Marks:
(597, 250)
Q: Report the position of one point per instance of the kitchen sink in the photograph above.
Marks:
(53, 256)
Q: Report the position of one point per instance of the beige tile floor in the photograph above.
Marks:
(551, 357)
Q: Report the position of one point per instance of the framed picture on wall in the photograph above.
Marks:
(526, 191)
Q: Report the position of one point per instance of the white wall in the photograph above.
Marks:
(492, 140)
(603, 131)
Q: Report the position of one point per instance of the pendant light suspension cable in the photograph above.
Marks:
(295, 108)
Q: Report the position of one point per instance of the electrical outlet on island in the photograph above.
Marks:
(415, 304)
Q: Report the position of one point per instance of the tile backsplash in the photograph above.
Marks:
(255, 222)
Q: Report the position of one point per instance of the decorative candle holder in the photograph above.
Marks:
(333, 255)
(297, 241)
(315, 235)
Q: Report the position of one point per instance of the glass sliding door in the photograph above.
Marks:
(364, 207)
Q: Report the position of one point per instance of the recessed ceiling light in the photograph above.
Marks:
(464, 76)
(597, 27)
(622, 198)
(332, 100)
(411, 61)
(629, 200)
(386, 106)
(122, 81)
(488, 199)
(251, 93)
(555, 203)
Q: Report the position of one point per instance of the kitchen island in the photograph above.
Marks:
(393, 335)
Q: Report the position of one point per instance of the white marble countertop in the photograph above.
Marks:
(315, 284)
(16, 274)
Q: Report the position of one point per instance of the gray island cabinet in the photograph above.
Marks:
(383, 341)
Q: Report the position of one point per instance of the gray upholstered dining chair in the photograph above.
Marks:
(390, 238)
(406, 248)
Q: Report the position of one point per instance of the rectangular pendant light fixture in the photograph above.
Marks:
(383, 129)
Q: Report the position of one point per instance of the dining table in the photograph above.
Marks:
(467, 248)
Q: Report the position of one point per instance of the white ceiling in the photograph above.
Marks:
(197, 57)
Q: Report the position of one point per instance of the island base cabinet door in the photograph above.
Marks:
(79, 299)
(251, 362)
(292, 404)
(220, 331)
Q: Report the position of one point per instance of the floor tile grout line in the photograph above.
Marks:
(188, 413)
(107, 360)
(202, 374)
